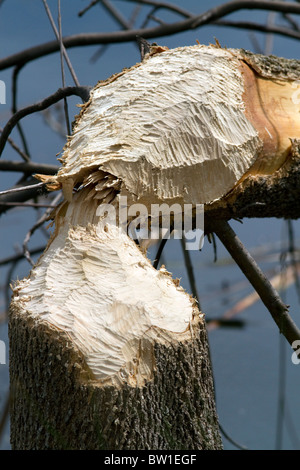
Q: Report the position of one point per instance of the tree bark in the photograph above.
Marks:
(58, 405)
(107, 352)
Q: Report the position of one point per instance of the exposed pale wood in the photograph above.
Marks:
(187, 125)
(106, 351)
(272, 107)
(172, 129)
(95, 284)
(192, 125)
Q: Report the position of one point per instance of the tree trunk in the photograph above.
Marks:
(106, 352)
(58, 404)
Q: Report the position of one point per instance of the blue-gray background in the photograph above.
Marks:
(253, 371)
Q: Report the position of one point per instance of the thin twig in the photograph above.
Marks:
(190, 270)
(25, 204)
(291, 21)
(15, 77)
(116, 14)
(81, 91)
(269, 296)
(61, 46)
(28, 167)
(63, 69)
(269, 40)
(164, 6)
(17, 148)
(20, 256)
(159, 252)
(23, 188)
(40, 222)
(292, 256)
(88, 7)
(119, 19)
(280, 30)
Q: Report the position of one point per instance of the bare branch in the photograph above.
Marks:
(81, 91)
(155, 4)
(115, 14)
(26, 204)
(88, 7)
(190, 271)
(38, 224)
(144, 46)
(255, 276)
(29, 191)
(292, 256)
(164, 6)
(281, 30)
(236, 5)
(61, 46)
(62, 49)
(15, 77)
(20, 256)
(17, 148)
(22, 188)
(28, 167)
(88, 39)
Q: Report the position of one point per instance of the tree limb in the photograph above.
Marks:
(88, 39)
(255, 276)
(281, 30)
(28, 167)
(81, 91)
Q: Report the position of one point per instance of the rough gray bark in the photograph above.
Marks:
(57, 405)
(276, 195)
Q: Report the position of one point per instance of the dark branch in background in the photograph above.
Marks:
(31, 191)
(291, 21)
(292, 250)
(144, 46)
(161, 246)
(17, 148)
(37, 225)
(62, 51)
(63, 54)
(28, 168)
(281, 30)
(190, 270)
(20, 256)
(156, 5)
(88, 39)
(82, 91)
(119, 18)
(22, 188)
(61, 46)
(15, 77)
(269, 296)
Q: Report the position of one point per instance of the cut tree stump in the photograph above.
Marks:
(105, 351)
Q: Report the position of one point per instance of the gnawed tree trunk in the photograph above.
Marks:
(107, 352)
